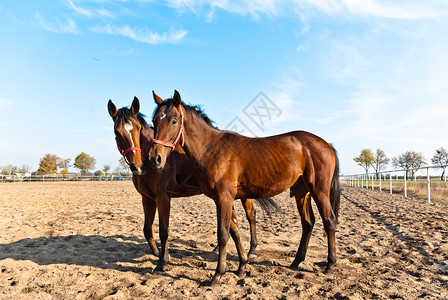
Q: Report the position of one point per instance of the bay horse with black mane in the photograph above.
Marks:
(179, 179)
(235, 166)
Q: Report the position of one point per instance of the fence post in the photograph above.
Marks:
(390, 181)
(429, 185)
(380, 180)
(405, 191)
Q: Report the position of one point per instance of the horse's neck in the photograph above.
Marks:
(198, 137)
(146, 137)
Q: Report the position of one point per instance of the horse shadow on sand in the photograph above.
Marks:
(116, 252)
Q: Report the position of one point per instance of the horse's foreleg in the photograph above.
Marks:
(303, 200)
(249, 208)
(235, 233)
(149, 208)
(224, 214)
(163, 207)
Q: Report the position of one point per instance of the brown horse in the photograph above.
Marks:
(234, 166)
(134, 137)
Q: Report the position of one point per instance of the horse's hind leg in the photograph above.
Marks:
(249, 208)
(149, 208)
(329, 219)
(235, 233)
(303, 200)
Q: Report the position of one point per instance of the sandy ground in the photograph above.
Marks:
(78, 240)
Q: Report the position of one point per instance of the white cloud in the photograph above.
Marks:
(4, 103)
(92, 12)
(405, 10)
(58, 26)
(142, 35)
(82, 11)
(408, 10)
(245, 7)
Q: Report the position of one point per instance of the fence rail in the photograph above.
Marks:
(363, 180)
(17, 178)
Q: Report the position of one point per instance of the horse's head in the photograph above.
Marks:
(168, 121)
(127, 130)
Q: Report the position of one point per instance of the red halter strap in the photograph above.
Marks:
(181, 134)
(123, 152)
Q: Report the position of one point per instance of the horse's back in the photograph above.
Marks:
(270, 165)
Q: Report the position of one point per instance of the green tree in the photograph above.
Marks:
(365, 159)
(84, 163)
(440, 158)
(48, 164)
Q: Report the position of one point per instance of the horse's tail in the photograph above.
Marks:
(268, 205)
(335, 192)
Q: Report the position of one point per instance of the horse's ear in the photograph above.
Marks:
(157, 99)
(112, 109)
(135, 107)
(176, 98)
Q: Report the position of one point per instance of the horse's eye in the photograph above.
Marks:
(116, 132)
(174, 121)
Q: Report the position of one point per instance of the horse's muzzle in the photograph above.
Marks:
(137, 170)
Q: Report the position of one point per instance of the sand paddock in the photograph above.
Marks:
(78, 240)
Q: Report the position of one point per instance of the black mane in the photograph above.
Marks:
(194, 109)
(126, 115)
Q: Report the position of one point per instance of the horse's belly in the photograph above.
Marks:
(265, 188)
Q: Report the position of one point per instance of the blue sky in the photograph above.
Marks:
(368, 73)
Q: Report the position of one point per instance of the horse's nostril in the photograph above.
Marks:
(133, 168)
(158, 160)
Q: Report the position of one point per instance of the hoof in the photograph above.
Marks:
(329, 270)
(214, 281)
(294, 266)
(159, 269)
(241, 273)
(251, 256)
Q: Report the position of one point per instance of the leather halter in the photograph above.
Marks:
(179, 135)
(124, 152)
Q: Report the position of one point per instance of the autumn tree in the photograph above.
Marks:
(106, 169)
(48, 164)
(124, 167)
(9, 170)
(440, 158)
(24, 169)
(84, 163)
(64, 164)
(409, 160)
(380, 160)
(365, 159)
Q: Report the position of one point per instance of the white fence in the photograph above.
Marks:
(16, 178)
(367, 180)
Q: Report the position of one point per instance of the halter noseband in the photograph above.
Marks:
(180, 134)
(124, 152)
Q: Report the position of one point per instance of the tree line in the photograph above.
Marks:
(408, 160)
(51, 164)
